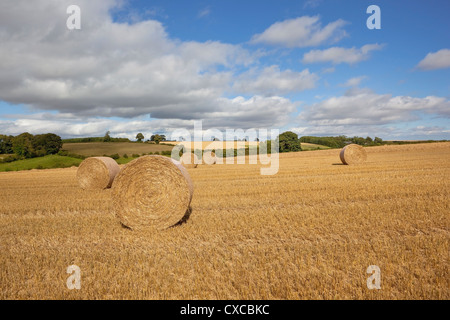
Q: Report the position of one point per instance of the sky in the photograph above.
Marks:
(308, 66)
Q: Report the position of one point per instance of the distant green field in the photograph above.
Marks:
(47, 162)
(312, 146)
(108, 148)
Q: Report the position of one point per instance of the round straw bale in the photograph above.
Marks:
(152, 193)
(97, 173)
(209, 157)
(353, 154)
(189, 160)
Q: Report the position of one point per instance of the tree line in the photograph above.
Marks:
(26, 145)
(290, 142)
(342, 141)
(107, 138)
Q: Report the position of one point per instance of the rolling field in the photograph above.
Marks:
(46, 162)
(215, 144)
(108, 148)
(241, 144)
(311, 146)
(308, 232)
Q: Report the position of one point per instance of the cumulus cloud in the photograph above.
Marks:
(255, 112)
(273, 81)
(90, 126)
(338, 55)
(222, 113)
(301, 32)
(430, 131)
(364, 107)
(111, 69)
(436, 60)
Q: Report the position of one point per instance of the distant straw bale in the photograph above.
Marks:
(353, 154)
(209, 157)
(97, 173)
(189, 160)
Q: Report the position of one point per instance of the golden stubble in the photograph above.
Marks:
(308, 232)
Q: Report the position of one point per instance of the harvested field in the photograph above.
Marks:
(308, 232)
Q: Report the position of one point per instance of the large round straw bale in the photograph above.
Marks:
(97, 173)
(189, 160)
(209, 157)
(152, 192)
(353, 154)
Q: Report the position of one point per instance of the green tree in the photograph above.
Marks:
(289, 142)
(53, 143)
(157, 138)
(359, 140)
(6, 144)
(140, 137)
(22, 145)
(44, 144)
(107, 137)
(378, 140)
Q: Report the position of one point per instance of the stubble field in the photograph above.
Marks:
(308, 232)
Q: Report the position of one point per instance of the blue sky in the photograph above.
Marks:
(310, 66)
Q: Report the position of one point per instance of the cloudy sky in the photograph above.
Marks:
(309, 66)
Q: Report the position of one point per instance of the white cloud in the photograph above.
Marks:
(91, 127)
(353, 82)
(436, 60)
(301, 32)
(204, 12)
(110, 69)
(364, 107)
(430, 131)
(311, 4)
(338, 55)
(239, 112)
(328, 70)
(255, 112)
(272, 81)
